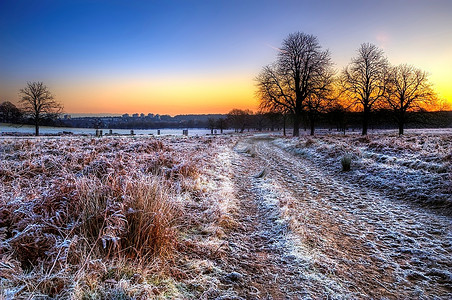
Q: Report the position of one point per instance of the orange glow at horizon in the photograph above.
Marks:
(160, 96)
(436, 61)
(175, 94)
(174, 98)
(441, 85)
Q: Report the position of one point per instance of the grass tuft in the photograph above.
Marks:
(346, 162)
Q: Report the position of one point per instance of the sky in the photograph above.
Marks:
(181, 57)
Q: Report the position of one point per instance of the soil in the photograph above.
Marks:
(305, 232)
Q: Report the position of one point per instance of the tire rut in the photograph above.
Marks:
(258, 249)
(370, 245)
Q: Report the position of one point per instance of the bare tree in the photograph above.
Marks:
(409, 90)
(239, 119)
(320, 102)
(39, 103)
(221, 124)
(212, 124)
(364, 80)
(273, 107)
(300, 72)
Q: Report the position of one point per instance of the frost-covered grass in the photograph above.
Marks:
(110, 218)
(363, 233)
(121, 218)
(416, 167)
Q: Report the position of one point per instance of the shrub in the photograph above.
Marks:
(346, 161)
(135, 217)
(152, 218)
(309, 142)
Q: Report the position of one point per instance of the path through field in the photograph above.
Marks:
(308, 233)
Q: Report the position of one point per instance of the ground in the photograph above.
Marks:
(257, 217)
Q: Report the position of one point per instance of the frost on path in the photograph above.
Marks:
(330, 238)
(262, 251)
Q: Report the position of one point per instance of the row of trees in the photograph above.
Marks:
(335, 118)
(302, 82)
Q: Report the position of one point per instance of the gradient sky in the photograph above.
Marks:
(177, 57)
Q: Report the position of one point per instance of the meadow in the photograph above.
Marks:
(226, 217)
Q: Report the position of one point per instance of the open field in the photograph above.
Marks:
(232, 217)
(7, 129)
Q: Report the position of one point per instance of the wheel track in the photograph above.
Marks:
(256, 247)
(269, 262)
(372, 245)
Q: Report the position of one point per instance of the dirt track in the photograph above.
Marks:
(307, 233)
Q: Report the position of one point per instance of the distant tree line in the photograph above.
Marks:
(303, 85)
(163, 121)
(335, 118)
(9, 113)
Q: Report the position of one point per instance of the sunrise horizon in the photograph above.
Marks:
(200, 58)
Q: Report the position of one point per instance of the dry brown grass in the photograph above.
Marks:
(99, 218)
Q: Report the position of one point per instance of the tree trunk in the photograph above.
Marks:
(400, 128)
(284, 125)
(296, 125)
(365, 121)
(36, 128)
(401, 122)
(312, 125)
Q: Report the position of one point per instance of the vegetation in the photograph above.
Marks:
(408, 90)
(302, 83)
(239, 119)
(39, 103)
(364, 81)
(209, 217)
(299, 81)
(346, 162)
(9, 113)
(85, 218)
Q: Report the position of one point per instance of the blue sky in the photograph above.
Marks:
(93, 53)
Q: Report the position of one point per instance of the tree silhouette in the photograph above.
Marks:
(239, 119)
(9, 113)
(408, 90)
(212, 124)
(319, 103)
(221, 124)
(39, 103)
(274, 110)
(364, 80)
(337, 116)
(302, 71)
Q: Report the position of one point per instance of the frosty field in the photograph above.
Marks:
(227, 217)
